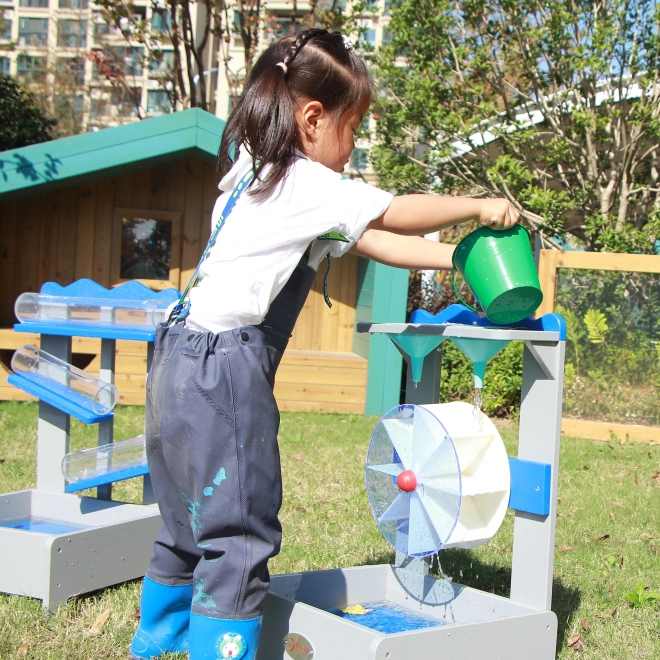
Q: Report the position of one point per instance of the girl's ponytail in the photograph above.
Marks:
(316, 64)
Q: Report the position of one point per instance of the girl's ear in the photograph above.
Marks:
(312, 115)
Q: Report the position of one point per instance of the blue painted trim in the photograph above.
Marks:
(108, 331)
(59, 396)
(109, 478)
(530, 486)
(59, 163)
(461, 314)
(132, 290)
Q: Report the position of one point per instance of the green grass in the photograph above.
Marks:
(605, 489)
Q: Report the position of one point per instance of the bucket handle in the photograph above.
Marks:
(460, 297)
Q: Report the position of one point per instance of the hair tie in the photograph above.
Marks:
(282, 66)
(348, 44)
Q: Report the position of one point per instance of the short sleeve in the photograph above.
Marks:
(359, 204)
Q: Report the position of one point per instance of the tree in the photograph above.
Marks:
(201, 33)
(22, 122)
(553, 103)
(197, 30)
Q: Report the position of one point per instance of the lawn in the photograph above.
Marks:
(608, 537)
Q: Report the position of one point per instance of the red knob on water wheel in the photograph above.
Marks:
(407, 481)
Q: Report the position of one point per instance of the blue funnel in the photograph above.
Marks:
(415, 348)
(480, 351)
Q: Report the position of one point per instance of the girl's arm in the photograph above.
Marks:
(403, 251)
(417, 215)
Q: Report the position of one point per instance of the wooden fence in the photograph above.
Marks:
(550, 262)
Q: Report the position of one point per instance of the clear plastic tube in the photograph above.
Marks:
(64, 379)
(115, 457)
(40, 307)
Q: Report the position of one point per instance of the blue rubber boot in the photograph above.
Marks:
(217, 639)
(164, 620)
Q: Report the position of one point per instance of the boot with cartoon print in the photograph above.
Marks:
(220, 639)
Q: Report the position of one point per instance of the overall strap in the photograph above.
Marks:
(182, 308)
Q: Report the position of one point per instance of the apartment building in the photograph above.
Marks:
(70, 55)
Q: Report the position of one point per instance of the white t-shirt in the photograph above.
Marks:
(261, 243)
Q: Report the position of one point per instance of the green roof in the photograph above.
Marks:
(71, 160)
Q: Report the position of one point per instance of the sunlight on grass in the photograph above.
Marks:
(608, 536)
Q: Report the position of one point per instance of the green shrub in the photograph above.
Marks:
(501, 395)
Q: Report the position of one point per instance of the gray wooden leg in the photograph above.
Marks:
(106, 429)
(53, 427)
(540, 429)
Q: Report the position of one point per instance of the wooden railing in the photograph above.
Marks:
(550, 262)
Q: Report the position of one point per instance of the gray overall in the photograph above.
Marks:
(211, 425)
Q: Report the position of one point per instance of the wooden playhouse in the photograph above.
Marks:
(134, 202)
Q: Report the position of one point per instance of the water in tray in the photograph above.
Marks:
(386, 617)
(42, 525)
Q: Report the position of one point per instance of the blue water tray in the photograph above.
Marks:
(389, 618)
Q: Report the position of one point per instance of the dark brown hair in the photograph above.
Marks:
(315, 65)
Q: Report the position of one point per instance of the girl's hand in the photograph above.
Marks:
(498, 214)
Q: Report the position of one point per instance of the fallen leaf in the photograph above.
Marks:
(136, 614)
(301, 509)
(99, 622)
(612, 516)
(298, 457)
(615, 503)
(636, 481)
(585, 467)
(22, 652)
(323, 502)
(601, 538)
(653, 547)
(2, 460)
(606, 616)
(585, 625)
(565, 548)
(354, 609)
(649, 454)
(576, 642)
(656, 478)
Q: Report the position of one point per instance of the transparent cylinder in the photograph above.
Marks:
(115, 457)
(43, 308)
(65, 380)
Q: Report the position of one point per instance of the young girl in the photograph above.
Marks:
(212, 420)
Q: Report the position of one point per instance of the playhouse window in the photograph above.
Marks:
(146, 249)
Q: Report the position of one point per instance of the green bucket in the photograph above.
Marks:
(498, 266)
